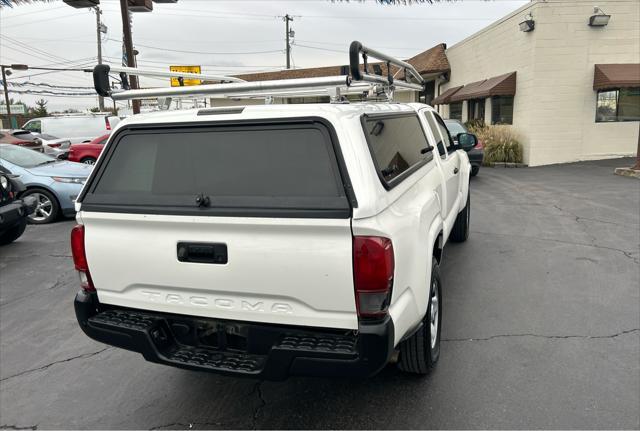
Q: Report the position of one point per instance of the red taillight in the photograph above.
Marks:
(106, 121)
(479, 145)
(80, 258)
(54, 145)
(373, 266)
(23, 143)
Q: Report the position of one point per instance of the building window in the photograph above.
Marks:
(476, 111)
(502, 110)
(455, 111)
(618, 105)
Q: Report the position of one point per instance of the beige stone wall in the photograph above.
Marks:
(554, 106)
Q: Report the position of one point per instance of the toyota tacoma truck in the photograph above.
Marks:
(274, 240)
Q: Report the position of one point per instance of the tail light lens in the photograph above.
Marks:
(373, 266)
(23, 143)
(106, 121)
(55, 145)
(479, 145)
(80, 258)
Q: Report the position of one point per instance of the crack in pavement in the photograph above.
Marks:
(16, 427)
(589, 337)
(258, 389)
(59, 282)
(628, 254)
(189, 425)
(31, 256)
(579, 218)
(44, 367)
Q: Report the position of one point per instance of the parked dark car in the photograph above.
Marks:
(475, 155)
(22, 138)
(13, 211)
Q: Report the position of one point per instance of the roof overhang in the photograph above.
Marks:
(502, 85)
(445, 98)
(612, 76)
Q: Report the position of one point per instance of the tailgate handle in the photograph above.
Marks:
(199, 252)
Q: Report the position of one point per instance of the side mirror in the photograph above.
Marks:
(467, 141)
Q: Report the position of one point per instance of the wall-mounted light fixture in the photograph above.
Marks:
(599, 19)
(528, 24)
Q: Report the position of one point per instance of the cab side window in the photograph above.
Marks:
(440, 142)
(33, 126)
(446, 136)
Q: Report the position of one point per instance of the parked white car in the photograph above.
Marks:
(72, 127)
(54, 146)
(274, 240)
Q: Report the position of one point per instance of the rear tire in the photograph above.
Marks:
(88, 161)
(13, 233)
(475, 170)
(420, 352)
(460, 231)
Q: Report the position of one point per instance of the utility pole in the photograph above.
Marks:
(128, 43)
(288, 18)
(6, 96)
(99, 35)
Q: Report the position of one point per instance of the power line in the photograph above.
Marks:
(412, 48)
(32, 13)
(39, 20)
(33, 49)
(52, 93)
(387, 18)
(223, 66)
(41, 73)
(45, 84)
(206, 53)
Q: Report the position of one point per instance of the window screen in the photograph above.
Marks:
(253, 166)
(396, 144)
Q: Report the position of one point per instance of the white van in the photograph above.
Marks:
(75, 128)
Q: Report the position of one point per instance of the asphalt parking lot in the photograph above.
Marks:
(541, 329)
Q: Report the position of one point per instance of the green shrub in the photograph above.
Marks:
(500, 143)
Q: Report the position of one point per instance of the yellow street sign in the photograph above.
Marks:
(175, 82)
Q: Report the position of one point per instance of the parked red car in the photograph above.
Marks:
(22, 138)
(87, 152)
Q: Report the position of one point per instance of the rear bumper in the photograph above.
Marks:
(15, 212)
(258, 350)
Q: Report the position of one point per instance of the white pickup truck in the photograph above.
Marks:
(273, 240)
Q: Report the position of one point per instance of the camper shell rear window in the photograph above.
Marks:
(286, 168)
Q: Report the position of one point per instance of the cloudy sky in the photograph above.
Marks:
(224, 36)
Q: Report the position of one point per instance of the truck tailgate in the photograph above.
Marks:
(288, 271)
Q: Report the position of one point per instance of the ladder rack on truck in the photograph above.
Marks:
(358, 79)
